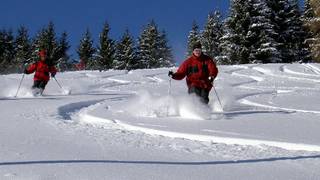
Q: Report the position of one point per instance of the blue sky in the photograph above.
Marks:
(75, 16)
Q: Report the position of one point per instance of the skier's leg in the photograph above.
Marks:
(36, 84)
(36, 87)
(204, 96)
(200, 93)
(194, 90)
(42, 86)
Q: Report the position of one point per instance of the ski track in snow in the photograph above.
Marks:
(262, 75)
(68, 110)
(115, 88)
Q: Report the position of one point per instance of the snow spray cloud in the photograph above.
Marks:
(190, 107)
(150, 105)
(11, 91)
(226, 96)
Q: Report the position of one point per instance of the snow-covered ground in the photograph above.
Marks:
(132, 125)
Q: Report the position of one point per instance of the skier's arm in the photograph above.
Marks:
(213, 70)
(181, 72)
(31, 68)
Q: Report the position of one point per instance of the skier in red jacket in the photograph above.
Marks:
(41, 76)
(200, 70)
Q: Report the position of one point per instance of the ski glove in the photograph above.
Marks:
(211, 79)
(170, 74)
(53, 75)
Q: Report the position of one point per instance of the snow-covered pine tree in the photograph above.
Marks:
(289, 28)
(23, 45)
(313, 23)
(2, 35)
(36, 46)
(210, 37)
(193, 37)
(151, 48)
(86, 50)
(46, 39)
(236, 46)
(106, 50)
(147, 44)
(261, 35)
(125, 57)
(7, 51)
(306, 16)
(298, 35)
(165, 51)
(51, 44)
(62, 56)
(228, 47)
(3, 61)
(23, 48)
(308, 11)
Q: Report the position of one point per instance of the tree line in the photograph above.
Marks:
(151, 50)
(255, 31)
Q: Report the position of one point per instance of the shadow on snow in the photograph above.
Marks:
(199, 163)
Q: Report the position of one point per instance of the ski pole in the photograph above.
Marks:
(63, 90)
(19, 86)
(169, 94)
(169, 90)
(217, 97)
(58, 82)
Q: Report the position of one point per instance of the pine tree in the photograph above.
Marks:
(265, 31)
(262, 35)
(23, 45)
(288, 25)
(298, 34)
(147, 44)
(36, 45)
(313, 23)
(46, 39)
(306, 16)
(211, 35)
(3, 61)
(165, 51)
(308, 12)
(193, 37)
(106, 50)
(125, 57)
(23, 48)
(62, 56)
(7, 51)
(153, 49)
(86, 50)
(228, 54)
(236, 47)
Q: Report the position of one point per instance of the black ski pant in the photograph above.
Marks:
(203, 94)
(39, 84)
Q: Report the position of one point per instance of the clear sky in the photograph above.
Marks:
(75, 16)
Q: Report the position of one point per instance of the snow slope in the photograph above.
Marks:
(140, 125)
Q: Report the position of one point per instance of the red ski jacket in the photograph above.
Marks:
(198, 70)
(42, 71)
